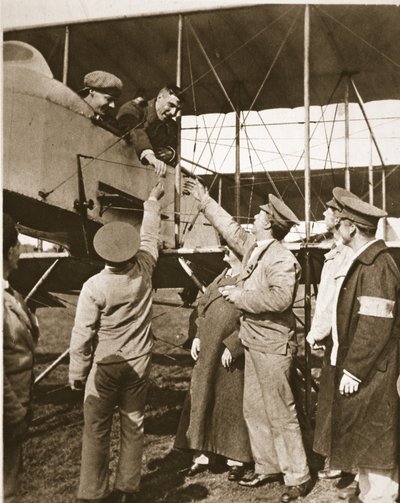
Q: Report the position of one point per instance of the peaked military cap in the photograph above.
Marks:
(360, 212)
(116, 242)
(336, 201)
(282, 215)
(103, 82)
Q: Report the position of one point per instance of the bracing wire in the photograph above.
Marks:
(385, 56)
(283, 43)
(226, 58)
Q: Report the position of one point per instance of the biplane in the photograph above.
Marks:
(65, 176)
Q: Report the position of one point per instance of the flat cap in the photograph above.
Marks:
(336, 201)
(104, 82)
(360, 212)
(116, 242)
(282, 215)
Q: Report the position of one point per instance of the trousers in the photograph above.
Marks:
(123, 384)
(270, 414)
(12, 460)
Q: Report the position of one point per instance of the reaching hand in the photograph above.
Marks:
(195, 348)
(226, 358)
(159, 166)
(348, 385)
(194, 187)
(166, 154)
(157, 191)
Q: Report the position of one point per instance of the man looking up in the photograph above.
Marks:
(153, 127)
(265, 293)
(110, 350)
(335, 266)
(336, 263)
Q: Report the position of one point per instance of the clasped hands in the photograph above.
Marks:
(226, 358)
(230, 292)
(348, 386)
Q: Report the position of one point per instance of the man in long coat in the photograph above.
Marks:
(265, 295)
(357, 420)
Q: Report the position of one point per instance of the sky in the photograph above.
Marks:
(274, 139)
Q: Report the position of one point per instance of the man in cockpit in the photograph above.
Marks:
(100, 91)
(153, 127)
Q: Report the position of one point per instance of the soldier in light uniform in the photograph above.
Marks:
(265, 294)
(357, 419)
(110, 350)
(336, 263)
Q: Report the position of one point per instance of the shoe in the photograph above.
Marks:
(294, 492)
(236, 473)
(347, 492)
(195, 469)
(354, 499)
(329, 474)
(118, 496)
(259, 479)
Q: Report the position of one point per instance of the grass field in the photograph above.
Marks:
(52, 451)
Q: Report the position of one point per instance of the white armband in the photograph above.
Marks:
(376, 306)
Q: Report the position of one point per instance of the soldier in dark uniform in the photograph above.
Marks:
(153, 127)
(358, 409)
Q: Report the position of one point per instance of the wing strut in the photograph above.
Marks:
(42, 279)
(307, 204)
(82, 205)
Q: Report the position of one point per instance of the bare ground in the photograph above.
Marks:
(52, 451)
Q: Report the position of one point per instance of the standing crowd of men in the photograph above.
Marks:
(356, 319)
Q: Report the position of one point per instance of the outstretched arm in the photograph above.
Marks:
(236, 237)
(150, 229)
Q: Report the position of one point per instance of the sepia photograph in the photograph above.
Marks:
(201, 251)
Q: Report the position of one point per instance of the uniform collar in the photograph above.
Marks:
(151, 111)
(264, 242)
(367, 253)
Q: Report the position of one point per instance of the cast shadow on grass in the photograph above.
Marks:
(166, 481)
(42, 357)
(164, 410)
(171, 360)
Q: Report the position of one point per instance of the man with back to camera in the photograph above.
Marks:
(110, 350)
(265, 294)
(153, 127)
(358, 409)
